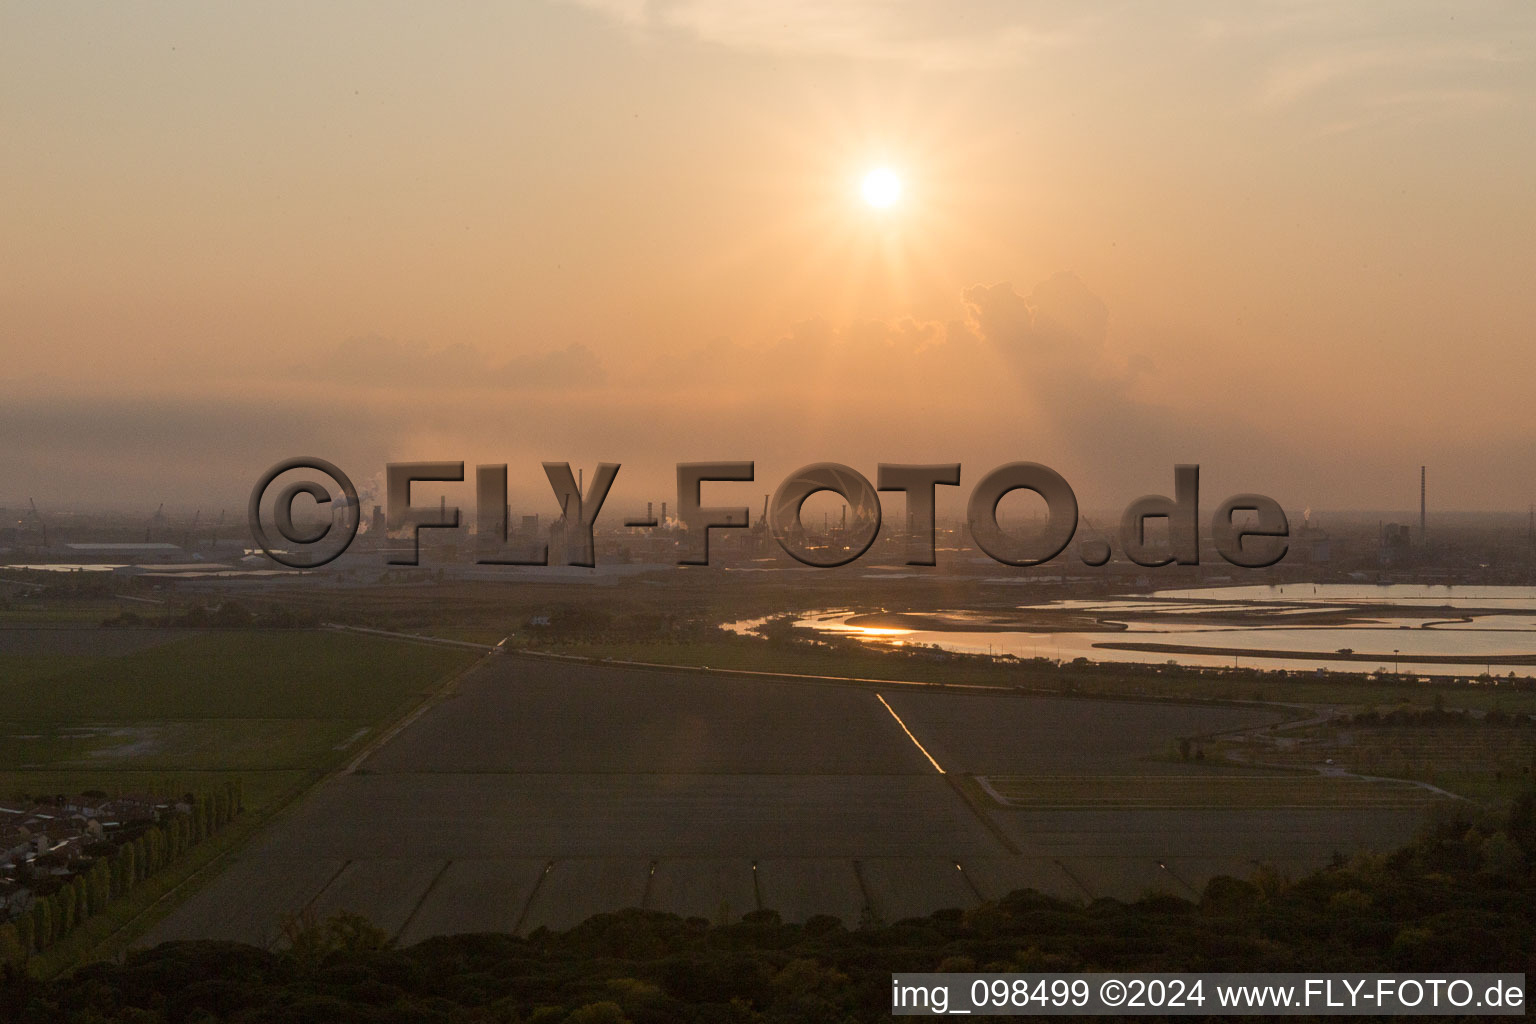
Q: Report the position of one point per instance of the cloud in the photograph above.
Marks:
(1117, 425)
(1303, 75)
(1056, 337)
(182, 449)
(906, 31)
(1045, 374)
(1089, 397)
(1464, 58)
(389, 362)
(1427, 60)
(816, 363)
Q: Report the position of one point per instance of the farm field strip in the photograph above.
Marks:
(1195, 791)
(220, 701)
(416, 899)
(543, 791)
(166, 712)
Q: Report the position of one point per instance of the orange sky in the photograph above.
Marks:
(1289, 241)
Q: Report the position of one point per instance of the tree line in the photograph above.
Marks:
(110, 869)
(1462, 897)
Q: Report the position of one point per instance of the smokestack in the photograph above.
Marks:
(663, 513)
(648, 516)
(1423, 535)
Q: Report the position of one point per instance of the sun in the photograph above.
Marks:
(881, 187)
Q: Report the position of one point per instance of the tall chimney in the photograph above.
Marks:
(1423, 535)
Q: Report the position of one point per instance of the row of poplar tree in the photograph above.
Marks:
(114, 875)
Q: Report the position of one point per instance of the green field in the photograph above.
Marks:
(235, 674)
(272, 706)
(1224, 790)
(1489, 764)
(56, 613)
(122, 713)
(20, 670)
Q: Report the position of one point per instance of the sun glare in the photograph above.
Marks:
(881, 187)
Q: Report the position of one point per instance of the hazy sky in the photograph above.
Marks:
(1293, 242)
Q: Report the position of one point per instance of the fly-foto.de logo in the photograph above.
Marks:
(1259, 540)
